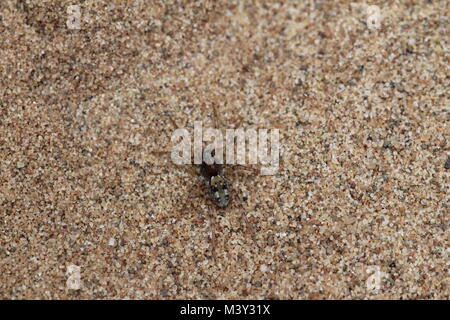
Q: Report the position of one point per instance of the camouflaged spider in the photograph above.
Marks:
(214, 175)
(216, 182)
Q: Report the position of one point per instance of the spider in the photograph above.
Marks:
(218, 186)
(216, 182)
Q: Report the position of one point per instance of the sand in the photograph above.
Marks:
(91, 206)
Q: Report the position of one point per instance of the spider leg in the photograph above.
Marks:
(213, 238)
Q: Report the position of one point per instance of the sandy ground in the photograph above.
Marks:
(358, 209)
